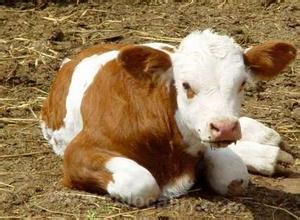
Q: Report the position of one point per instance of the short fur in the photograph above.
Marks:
(135, 112)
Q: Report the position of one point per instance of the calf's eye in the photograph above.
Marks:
(189, 91)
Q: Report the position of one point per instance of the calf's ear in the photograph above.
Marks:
(268, 59)
(144, 62)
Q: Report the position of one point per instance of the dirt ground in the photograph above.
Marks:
(33, 41)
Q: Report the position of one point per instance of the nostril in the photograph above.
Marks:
(225, 130)
(214, 127)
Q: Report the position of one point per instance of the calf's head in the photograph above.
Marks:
(210, 72)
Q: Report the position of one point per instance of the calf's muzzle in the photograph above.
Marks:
(225, 130)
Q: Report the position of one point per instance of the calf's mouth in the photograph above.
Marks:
(219, 144)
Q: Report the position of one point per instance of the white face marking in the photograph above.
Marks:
(131, 183)
(223, 167)
(178, 187)
(213, 67)
(82, 78)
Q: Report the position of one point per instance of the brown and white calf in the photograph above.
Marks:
(133, 120)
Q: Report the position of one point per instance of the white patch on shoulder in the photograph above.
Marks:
(82, 78)
(131, 183)
(178, 187)
(223, 167)
(253, 130)
(259, 158)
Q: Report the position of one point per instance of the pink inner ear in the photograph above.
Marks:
(270, 58)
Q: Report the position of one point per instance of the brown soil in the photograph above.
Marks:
(32, 45)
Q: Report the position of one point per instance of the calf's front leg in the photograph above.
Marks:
(91, 168)
(261, 158)
(258, 151)
(255, 131)
(259, 147)
(225, 172)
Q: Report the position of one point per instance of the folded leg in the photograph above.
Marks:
(226, 172)
(259, 148)
(91, 168)
(261, 158)
(255, 131)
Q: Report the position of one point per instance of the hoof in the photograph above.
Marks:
(236, 188)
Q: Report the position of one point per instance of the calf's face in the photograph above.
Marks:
(210, 72)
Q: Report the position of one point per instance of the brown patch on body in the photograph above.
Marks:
(54, 108)
(129, 111)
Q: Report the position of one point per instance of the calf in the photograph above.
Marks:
(133, 120)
